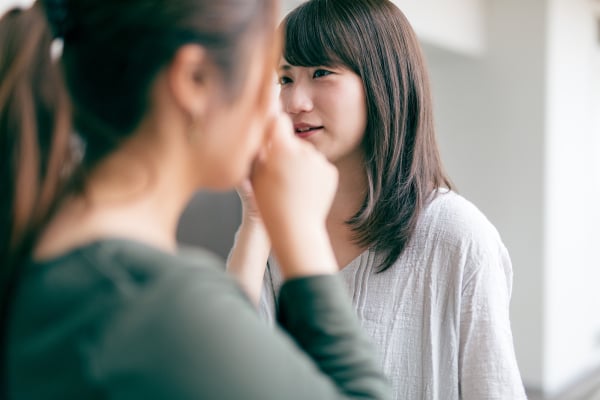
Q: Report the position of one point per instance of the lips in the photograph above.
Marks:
(304, 130)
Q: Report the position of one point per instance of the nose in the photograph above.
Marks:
(296, 99)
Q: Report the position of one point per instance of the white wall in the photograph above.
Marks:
(596, 94)
(457, 25)
(6, 4)
(289, 5)
(490, 119)
(519, 128)
(573, 189)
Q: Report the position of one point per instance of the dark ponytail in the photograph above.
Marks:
(35, 123)
(35, 119)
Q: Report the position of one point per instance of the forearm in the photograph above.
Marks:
(248, 257)
(303, 248)
(316, 311)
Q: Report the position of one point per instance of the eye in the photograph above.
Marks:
(321, 73)
(284, 80)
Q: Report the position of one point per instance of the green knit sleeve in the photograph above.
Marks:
(194, 335)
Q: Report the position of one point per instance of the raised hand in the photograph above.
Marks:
(294, 186)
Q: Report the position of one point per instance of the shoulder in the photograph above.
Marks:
(127, 289)
(142, 277)
(131, 267)
(126, 312)
(460, 236)
(98, 274)
(165, 310)
(456, 222)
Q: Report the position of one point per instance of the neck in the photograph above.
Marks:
(134, 194)
(352, 188)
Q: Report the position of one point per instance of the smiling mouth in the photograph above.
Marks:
(307, 130)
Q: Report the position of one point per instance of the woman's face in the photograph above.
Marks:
(327, 106)
(236, 130)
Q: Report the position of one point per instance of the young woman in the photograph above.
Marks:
(428, 274)
(166, 97)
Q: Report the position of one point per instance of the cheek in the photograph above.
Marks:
(359, 102)
(352, 113)
(254, 137)
(244, 145)
(228, 149)
(249, 137)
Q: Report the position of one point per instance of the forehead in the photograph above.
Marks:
(285, 66)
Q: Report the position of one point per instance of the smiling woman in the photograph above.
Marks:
(326, 105)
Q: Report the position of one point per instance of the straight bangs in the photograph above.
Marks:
(311, 38)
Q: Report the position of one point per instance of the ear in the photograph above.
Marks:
(187, 78)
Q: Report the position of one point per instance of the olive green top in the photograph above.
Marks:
(117, 319)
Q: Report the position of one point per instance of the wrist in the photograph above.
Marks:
(304, 251)
(253, 225)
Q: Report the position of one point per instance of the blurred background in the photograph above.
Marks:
(516, 86)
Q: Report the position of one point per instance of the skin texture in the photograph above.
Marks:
(329, 97)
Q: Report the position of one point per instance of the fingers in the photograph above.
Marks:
(280, 130)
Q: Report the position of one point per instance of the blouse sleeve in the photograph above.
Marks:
(267, 304)
(205, 341)
(488, 367)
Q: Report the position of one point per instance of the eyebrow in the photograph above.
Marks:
(285, 67)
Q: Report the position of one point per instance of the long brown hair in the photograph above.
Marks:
(99, 88)
(374, 39)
